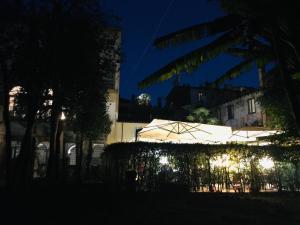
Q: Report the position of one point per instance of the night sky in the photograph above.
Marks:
(143, 20)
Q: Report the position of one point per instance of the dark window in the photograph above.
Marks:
(200, 94)
(251, 106)
(230, 110)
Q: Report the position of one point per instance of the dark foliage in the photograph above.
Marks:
(194, 166)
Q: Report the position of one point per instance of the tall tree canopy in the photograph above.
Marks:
(261, 32)
(61, 59)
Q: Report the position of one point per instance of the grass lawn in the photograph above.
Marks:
(89, 206)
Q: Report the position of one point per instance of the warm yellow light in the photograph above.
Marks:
(234, 167)
(62, 117)
(163, 160)
(266, 163)
(220, 161)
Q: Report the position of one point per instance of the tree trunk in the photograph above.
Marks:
(79, 154)
(64, 159)
(261, 76)
(209, 173)
(254, 177)
(25, 161)
(6, 119)
(89, 158)
(57, 153)
(52, 161)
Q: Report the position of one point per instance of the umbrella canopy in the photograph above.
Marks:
(251, 134)
(184, 132)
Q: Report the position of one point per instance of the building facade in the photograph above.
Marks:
(241, 112)
(204, 96)
(112, 80)
(121, 131)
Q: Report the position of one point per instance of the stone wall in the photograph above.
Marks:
(241, 115)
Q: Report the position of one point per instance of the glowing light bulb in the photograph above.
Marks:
(163, 160)
(62, 117)
(266, 163)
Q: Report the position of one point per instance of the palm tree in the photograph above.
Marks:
(259, 33)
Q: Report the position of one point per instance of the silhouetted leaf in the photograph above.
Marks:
(191, 61)
(199, 31)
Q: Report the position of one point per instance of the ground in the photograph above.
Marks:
(89, 205)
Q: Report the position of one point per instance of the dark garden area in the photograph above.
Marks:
(149, 112)
(89, 205)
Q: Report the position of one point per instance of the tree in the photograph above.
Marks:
(79, 64)
(11, 36)
(31, 70)
(262, 33)
(88, 119)
(278, 113)
(144, 99)
(201, 115)
(60, 60)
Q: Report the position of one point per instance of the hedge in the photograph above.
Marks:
(196, 167)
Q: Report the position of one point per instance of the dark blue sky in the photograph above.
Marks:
(140, 21)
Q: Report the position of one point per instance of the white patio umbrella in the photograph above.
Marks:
(251, 134)
(184, 132)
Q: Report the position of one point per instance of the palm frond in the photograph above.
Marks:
(234, 72)
(254, 51)
(240, 52)
(191, 61)
(243, 67)
(199, 31)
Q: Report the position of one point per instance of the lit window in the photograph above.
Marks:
(230, 110)
(251, 106)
